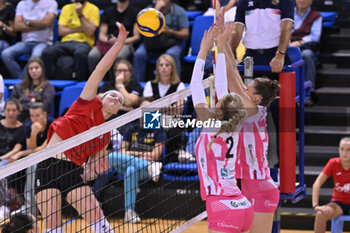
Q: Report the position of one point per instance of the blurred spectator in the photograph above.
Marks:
(2, 97)
(137, 160)
(12, 141)
(121, 12)
(171, 41)
(76, 25)
(36, 134)
(21, 223)
(194, 5)
(124, 82)
(228, 6)
(167, 81)
(267, 28)
(306, 35)
(7, 30)
(34, 88)
(34, 18)
(141, 4)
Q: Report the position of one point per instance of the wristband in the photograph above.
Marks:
(120, 86)
(314, 206)
(280, 52)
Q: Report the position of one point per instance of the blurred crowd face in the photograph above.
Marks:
(344, 151)
(35, 70)
(164, 69)
(11, 112)
(38, 115)
(303, 4)
(123, 68)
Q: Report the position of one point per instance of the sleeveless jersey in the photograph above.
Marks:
(252, 148)
(216, 165)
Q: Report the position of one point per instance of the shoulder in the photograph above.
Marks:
(91, 6)
(132, 10)
(315, 13)
(22, 4)
(48, 84)
(28, 125)
(50, 3)
(68, 7)
(93, 100)
(334, 160)
(179, 8)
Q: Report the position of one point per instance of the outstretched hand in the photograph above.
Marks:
(207, 40)
(222, 33)
(123, 33)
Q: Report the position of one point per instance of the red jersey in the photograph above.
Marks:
(81, 116)
(341, 180)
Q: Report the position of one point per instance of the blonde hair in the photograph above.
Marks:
(233, 114)
(174, 76)
(345, 139)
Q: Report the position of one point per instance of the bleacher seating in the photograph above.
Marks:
(6, 93)
(201, 23)
(328, 18)
(69, 95)
(192, 15)
(337, 223)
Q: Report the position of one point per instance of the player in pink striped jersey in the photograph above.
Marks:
(228, 210)
(251, 165)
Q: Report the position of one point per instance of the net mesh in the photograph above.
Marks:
(151, 185)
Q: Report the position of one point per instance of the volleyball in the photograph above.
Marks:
(150, 22)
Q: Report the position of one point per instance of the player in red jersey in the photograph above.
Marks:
(339, 169)
(63, 176)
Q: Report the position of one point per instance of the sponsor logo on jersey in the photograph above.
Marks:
(269, 203)
(225, 225)
(345, 188)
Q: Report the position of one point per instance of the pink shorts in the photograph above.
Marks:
(263, 194)
(229, 214)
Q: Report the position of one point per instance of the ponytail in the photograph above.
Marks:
(234, 114)
(267, 89)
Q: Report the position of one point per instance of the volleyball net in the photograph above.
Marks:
(152, 184)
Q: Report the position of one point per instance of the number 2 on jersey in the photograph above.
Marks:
(230, 144)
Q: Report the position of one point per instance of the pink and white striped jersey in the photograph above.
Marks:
(216, 165)
(252, 148)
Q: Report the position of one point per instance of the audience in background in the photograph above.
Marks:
(136, 160)
(268, 34)
(12, 141)
(141, 4)
(306, 35)
(7, 30)
(124, 82)
(34, 19)
(194, 5)
(2, 97)
(21, 223)
(34, 88)
(167, 81)
(36, 134)
(11, 131)
(171, 41)
(76, 25)
(339, 169)
(228, 6)
(121, 12)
